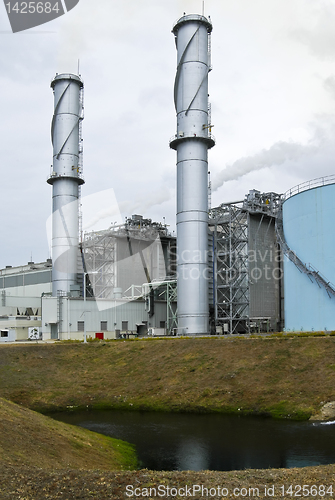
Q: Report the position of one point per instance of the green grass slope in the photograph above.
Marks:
(282, 377)
(29, 438)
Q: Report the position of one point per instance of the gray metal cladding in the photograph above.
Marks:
(31, 278)
(265, 270)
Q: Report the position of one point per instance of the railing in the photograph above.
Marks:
(136, 292)
(55, 175)
(209, 136)
(193, 17)
(305, 186)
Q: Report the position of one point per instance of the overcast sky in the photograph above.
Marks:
(272, 91)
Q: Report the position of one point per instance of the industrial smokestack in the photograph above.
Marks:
(65, 178)
(192, 141)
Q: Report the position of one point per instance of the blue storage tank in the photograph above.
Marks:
(309, 231)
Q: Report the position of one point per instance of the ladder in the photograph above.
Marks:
(80, 161)
(209, 52)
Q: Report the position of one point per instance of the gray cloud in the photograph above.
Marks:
(320, 38)
(329, 85)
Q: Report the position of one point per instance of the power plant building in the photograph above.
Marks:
(123, 257)
(247, 268)
(126, 285)
(118, 299)
(262, 264)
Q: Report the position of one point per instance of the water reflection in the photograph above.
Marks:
(193, 454)
(172, 441)
(331, 422)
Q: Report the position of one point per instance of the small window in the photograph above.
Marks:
(103, 326)
(81, 326)
(4, 333)
(162, 324)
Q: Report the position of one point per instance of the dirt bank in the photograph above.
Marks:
(37, 484)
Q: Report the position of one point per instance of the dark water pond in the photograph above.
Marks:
(174, 441)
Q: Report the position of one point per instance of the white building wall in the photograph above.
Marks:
(67, 312)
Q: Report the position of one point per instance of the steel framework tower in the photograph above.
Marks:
(65, 178)
(192, 141)
(229, 224)
(247, 264)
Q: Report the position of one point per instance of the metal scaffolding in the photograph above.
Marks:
(229, 225)
(124, 256)
(232, 237)
(99, 256)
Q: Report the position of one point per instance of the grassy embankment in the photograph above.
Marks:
(41, 458)
(28, 438)
(281, 377)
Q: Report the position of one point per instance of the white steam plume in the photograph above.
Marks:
(277, 154)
